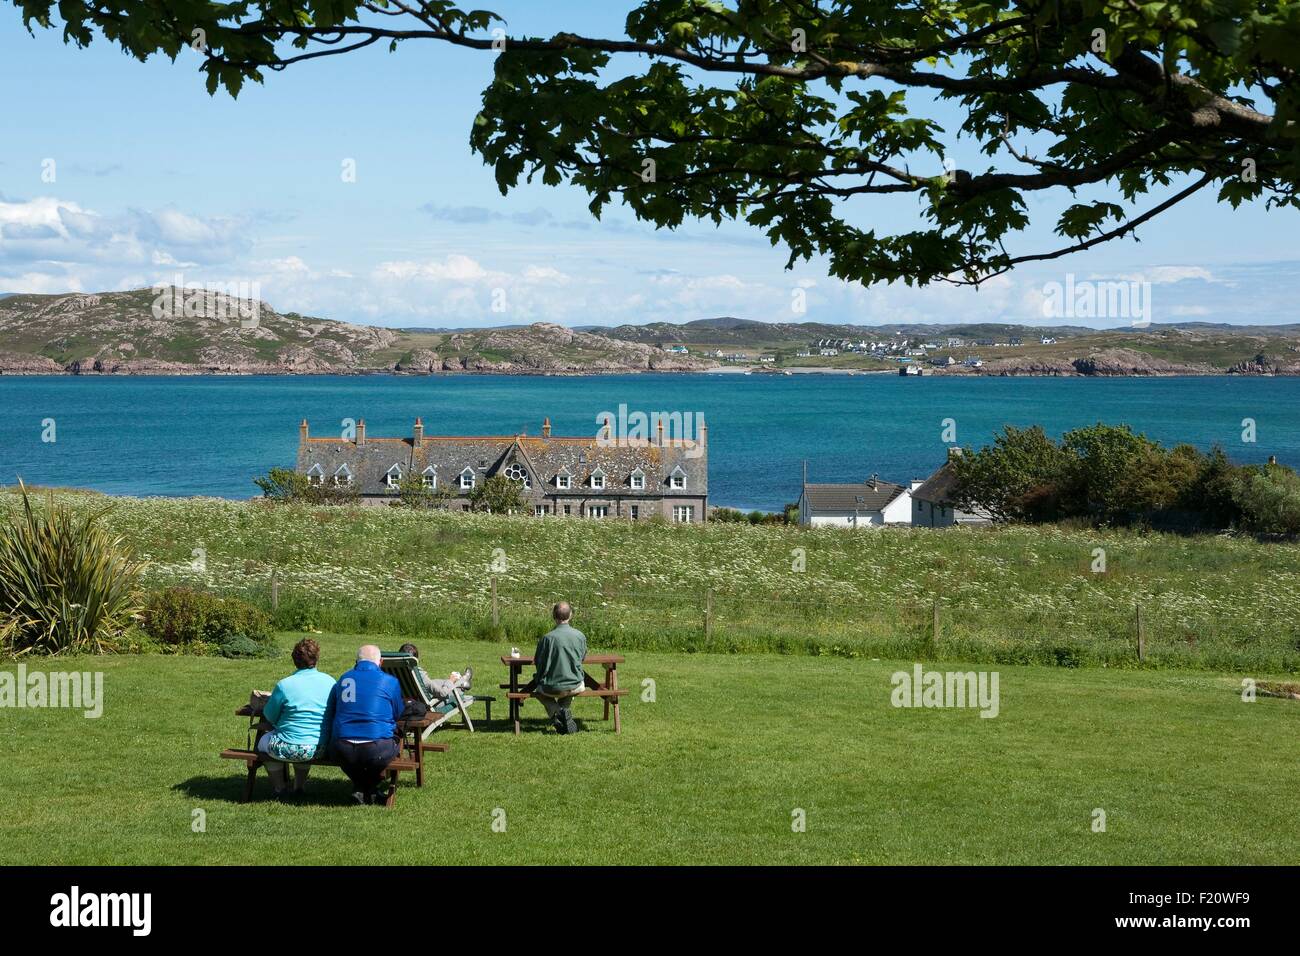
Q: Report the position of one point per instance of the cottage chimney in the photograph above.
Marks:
(418, 433)
(302, 430)
(954, 451)
(546, 427)
(659, 432)
(703, 431)
(361, 432)
(608, 432)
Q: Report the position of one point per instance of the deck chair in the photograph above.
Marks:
(406, 669)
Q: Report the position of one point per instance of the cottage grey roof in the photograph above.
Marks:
(863, 496)
(542, 457)
(938, 487)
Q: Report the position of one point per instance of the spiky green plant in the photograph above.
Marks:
(66, 584)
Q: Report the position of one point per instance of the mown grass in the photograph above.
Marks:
(709, 773)
(1005, 595)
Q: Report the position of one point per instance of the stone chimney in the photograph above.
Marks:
(659, 432)
(361, 432)
(546, 427)
(608, 432)
(302, 430)
(418, 433)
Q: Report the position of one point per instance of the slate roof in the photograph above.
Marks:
(938, 487)
(860, 495)
(542, 457)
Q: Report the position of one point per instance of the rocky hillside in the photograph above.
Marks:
(143, 332)
(146, 333)
(545, 347)
(1106, 361)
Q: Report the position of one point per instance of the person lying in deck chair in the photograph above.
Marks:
(296, 710)
(439, 687)
(559, 675)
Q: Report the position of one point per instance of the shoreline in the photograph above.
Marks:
(569, 373)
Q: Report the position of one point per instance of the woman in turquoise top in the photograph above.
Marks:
(296, 711)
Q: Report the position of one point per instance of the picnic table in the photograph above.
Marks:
(608, 689)
(410, 756)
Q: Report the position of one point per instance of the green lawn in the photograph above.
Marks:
(708, 773)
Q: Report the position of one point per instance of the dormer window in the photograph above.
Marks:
(343, 477)
(564, 480)
(637, 480)
(394, 476)
(677, 480)
(516, 472)
(598, 479)
(429, 478)
(316, 476)
(467, 479)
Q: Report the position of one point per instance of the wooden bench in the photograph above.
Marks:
(395, 766)
(607, 689)
(413, 746)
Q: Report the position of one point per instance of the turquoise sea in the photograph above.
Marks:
(213, 435)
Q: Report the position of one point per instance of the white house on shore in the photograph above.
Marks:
(865, 504)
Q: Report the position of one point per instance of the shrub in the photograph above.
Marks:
(412, 493)
(498, 495)
(185, 618)
(1269, 499)
(284, 486)
(66, 584)
(1101, 474)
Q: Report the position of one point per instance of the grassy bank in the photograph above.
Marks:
(1004, 595)
(710, 772)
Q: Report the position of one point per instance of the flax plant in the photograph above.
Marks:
(66, 583)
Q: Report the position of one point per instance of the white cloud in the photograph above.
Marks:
(1161, 275)
(61, 237)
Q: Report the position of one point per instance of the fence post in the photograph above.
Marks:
(1142, 635)
(934, 632)
(275, 589)
(496, 614)
(708, 615)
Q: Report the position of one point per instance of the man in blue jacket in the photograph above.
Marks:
(361, 720)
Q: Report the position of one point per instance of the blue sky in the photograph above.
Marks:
(154, 179)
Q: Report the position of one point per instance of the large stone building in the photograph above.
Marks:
(595, 477)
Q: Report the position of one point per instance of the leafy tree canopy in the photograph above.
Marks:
(789, 113)
(498, 495)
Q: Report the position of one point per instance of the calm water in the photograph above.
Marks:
(211, 436)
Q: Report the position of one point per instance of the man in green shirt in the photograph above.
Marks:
(559, 675)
